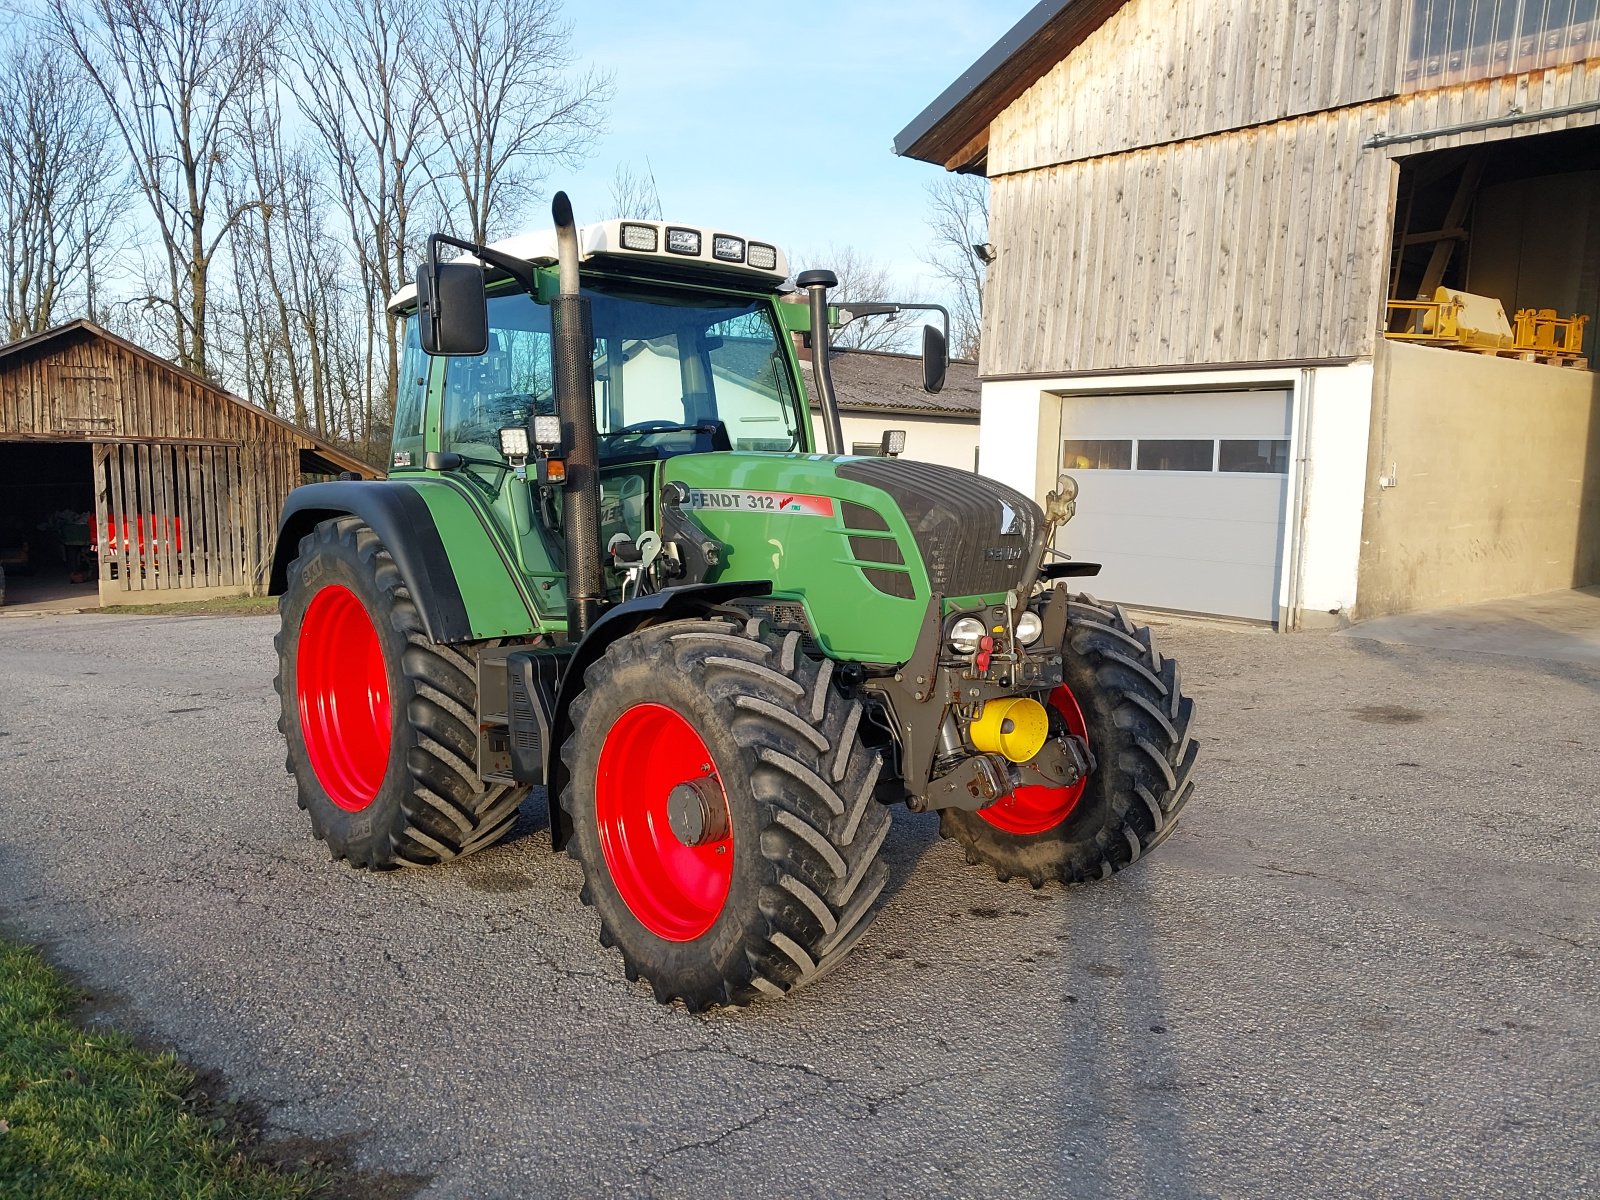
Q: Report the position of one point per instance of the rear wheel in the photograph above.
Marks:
(380, 722)
(723, 809)
(1126, 700)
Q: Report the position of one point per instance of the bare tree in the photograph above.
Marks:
(506, 108)
(634, 194)
(365, 96)
(958, 216)
(861, 278)
(61, 188)
(172, 73)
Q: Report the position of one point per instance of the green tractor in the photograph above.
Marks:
(609, 562)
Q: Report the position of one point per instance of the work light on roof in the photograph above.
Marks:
(762, 257)
(683, 241)
(639, 237)
(728, 249)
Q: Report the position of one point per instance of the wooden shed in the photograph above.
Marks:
(124, 473)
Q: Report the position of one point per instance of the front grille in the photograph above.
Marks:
(959, 521)
(876, 549)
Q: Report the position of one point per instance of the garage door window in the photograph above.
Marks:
(1266, 457)
(1098, 454)
(1176, 454)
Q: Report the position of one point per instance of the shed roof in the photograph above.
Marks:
(316, 447)
(878, 381)
(953, 131)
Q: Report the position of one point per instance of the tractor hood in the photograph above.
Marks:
(862, 544)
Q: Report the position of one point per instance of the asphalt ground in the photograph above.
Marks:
(1365, 964)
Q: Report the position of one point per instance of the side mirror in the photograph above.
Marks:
(452, 308)
(935, 359)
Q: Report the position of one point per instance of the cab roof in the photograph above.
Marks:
(623, 240)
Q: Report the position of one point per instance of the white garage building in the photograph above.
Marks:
(1198, 209)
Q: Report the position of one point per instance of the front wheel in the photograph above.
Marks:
(1123, 697)
(723, 807)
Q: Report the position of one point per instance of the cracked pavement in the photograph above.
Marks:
(1365, 963)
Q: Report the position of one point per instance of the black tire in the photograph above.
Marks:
(1141, 731)
(430, 806)
(800, 785)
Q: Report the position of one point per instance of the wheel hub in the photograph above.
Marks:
(697, 812)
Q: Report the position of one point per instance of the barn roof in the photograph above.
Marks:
(316, 448)
(877, 381)
(953, 131)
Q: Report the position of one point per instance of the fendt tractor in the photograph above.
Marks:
(609, 561)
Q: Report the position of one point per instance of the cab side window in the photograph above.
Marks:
(502, 387)
(411, 394)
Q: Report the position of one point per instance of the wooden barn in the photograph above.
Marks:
(1226, 238)
(123, 475)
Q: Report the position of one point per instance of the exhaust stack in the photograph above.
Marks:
(817, 284)
(572, 340)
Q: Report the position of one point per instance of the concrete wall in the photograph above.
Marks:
(946, 442)
(1496, 469)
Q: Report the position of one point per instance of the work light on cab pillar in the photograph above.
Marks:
(609, 568)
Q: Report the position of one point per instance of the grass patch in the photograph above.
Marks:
(232, 606)
(85, 1113)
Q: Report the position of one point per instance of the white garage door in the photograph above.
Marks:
(1183, 497)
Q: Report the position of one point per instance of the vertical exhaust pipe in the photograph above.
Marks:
(571, 352)
(817, 284)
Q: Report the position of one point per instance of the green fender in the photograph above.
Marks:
(459, 578)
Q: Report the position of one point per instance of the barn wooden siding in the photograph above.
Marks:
(1158, 71)
(188, 479)
(1263, 244)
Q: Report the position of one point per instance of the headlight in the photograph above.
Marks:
(1029, 627)
(966, 633)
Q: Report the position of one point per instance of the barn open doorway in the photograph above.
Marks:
(1517, 221)
(47, 524)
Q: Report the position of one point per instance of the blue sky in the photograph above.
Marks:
(720, 99)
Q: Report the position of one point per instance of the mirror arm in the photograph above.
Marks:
(853, 312)
(514, 267)
(943, 312)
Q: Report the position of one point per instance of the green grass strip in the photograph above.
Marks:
(243, 606)
(85, 1113)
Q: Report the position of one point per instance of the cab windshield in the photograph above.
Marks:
(673, 373)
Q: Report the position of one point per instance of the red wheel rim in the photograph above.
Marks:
(343, 694)
(1037, 807)
(676, 891)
